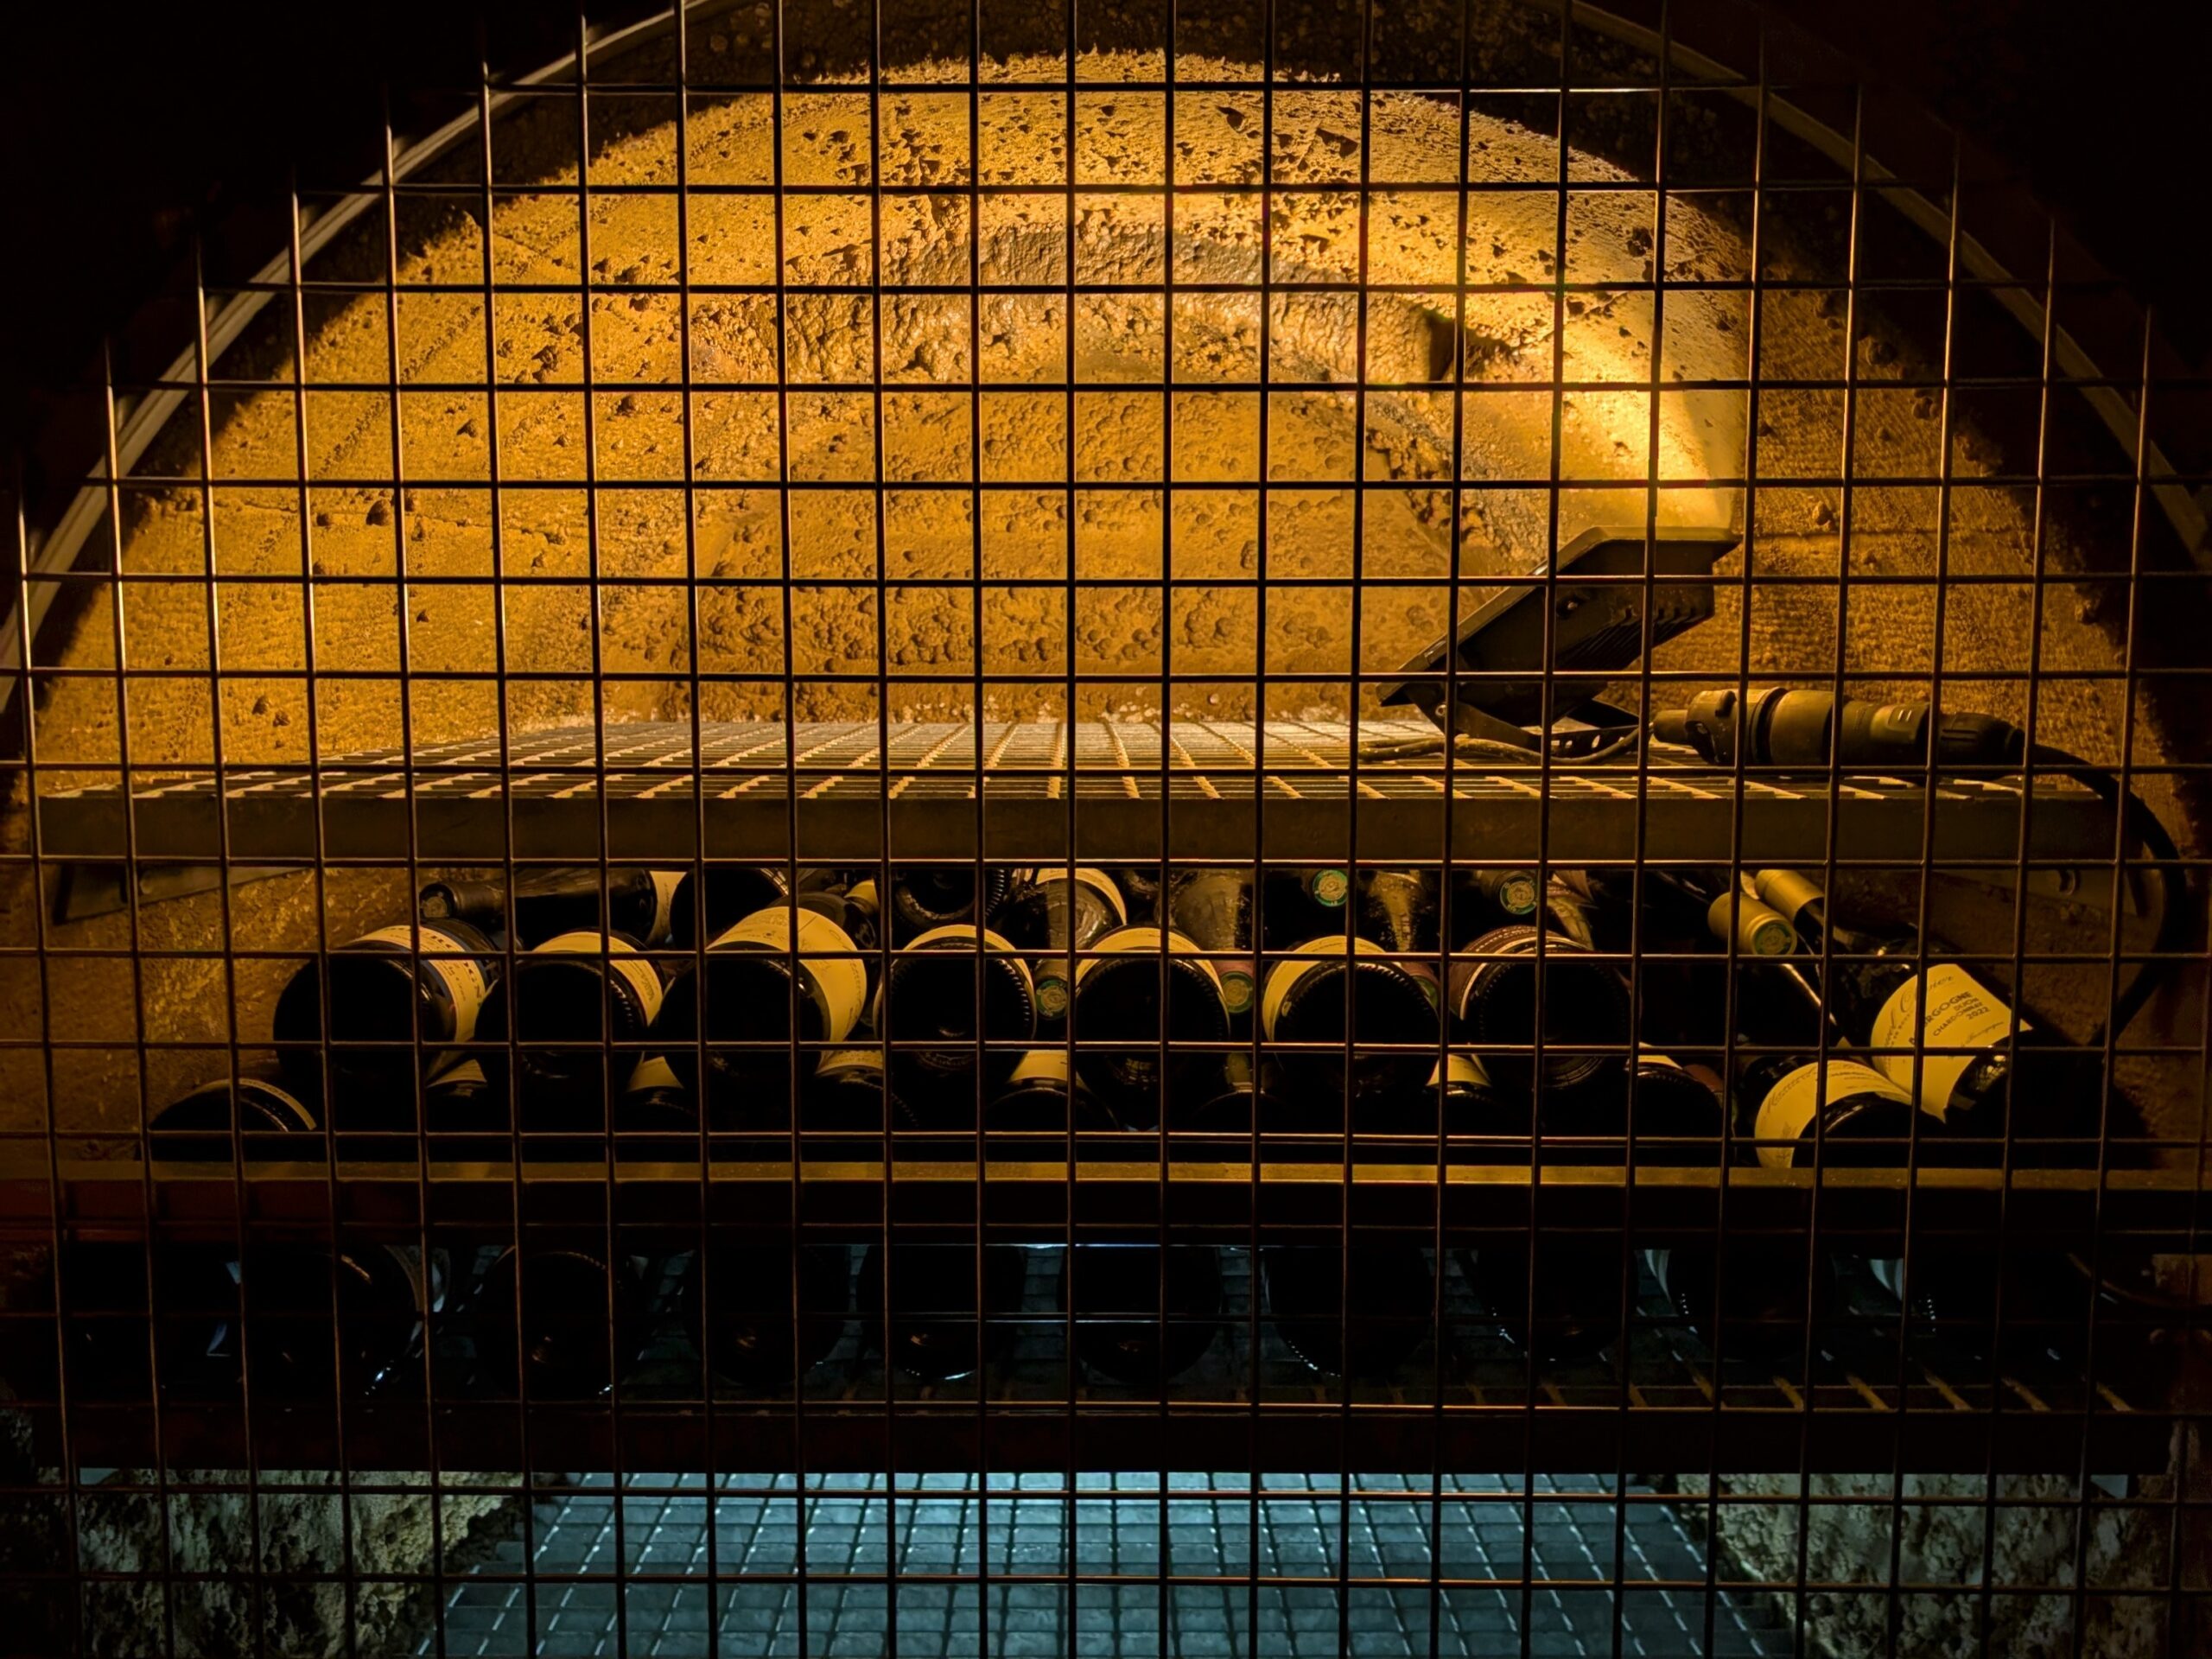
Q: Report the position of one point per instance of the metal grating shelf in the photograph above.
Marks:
(1047, 790)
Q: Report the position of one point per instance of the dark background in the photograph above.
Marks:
(125, 125)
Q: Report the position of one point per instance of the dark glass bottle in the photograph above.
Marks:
(927, 897)
(384, 987)
(1301, 902)
(934, 1333)
(1958, 1057)
(1567, 1308)
(223, 1314)
(555, 1323)
(764, 1314)
(710, 899)
(1663, 1110)
(1142, 984)
(1585, 1014)
(1043, 1097)
(1749, 1300)
(937, 989)
(1060, 913)
(738, 997)
(578, 1009)
(655, 1102)
(549, 901)
(1459, 1100)
(1837, 1112)
(848, 1094)
(1373, 1020)
(1496, 895)
(1116, 1291)
(1363, 1319)
(1212, 908)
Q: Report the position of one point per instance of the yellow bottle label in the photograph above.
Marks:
(622, 959)
(1042, 1065)
(652, 1072)
(956, 936)
(1314, 954)
(462, 973)
(1148, 941)
(1097, 880)
(1961, 1014)
(1464, 1069)
(1794, 1102)
(824, 950)
(665, 883)
(840, 1061)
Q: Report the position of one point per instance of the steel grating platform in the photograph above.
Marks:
(1039, 790)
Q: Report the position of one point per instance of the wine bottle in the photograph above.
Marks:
(1585, 1014)
(286, 1289)
(953, 1001)
(1059, 913)
(1116, 1292)
(654, 1102)
(549, 901)
(1663, 1110)
(385, 989)
(1351, 997)
(1564, 1307)
(927, 897)
(1044, 1097)
(711, 899)
(739, 997)
(765, 1314)
(849, 1093)
(1363, 1319)
(1302, 902)
(555, 1322)
(933, 1332)
(577, 1010)
(1496, 895)
(1953, 1043)
(271, 1124)
(1143, 1000)
(1749, 1301)
(1836, 1112)
(1212, 908)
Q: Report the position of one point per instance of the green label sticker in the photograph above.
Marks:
(1330, 887)
(1236, 990)
(1052, 996)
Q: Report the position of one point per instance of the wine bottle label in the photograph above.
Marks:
(1147, 941)
(1462, 1069)
(665, 883)
(467, 1075)
(824, 949)
(1041, 1065)
(652, 1072)
(956, 936)
(622, 959)
(1961, 1014)
(1758, 930)
(1314, 954)
(1330, 887)
(1794, 1101)
(862, 894)
(1513, 892)
(1097, 880)
(1647, 1055)
(849, 1062)
(1787, 892)
(463, 974)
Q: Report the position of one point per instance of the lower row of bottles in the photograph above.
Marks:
(560, 1320)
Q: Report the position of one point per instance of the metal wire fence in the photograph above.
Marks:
(977, 751)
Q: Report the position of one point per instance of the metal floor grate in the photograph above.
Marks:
(1092, 1589)
(1048, 788)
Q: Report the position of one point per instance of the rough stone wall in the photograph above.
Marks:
(297, 560)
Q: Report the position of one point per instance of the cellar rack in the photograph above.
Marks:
(1106, 792)
(1049, 789)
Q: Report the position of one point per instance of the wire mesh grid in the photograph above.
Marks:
(746, 773)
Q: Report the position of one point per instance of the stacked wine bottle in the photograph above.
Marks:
(1636, 1016)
